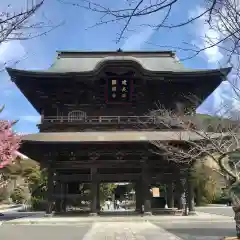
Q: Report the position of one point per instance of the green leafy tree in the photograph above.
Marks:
(3, 193)
(106, 190)
(205, 184)
(37, 181)
(37, 184)
(18, 195)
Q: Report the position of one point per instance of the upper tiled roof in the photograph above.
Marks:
(151, 63)
(89, 61)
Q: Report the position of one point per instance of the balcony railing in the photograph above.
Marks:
(100, 119)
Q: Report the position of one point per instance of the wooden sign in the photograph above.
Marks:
(155, 192)
(118, 90)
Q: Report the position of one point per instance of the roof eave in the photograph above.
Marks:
(126, 136)
(223, 72)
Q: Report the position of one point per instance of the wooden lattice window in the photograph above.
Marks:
(76, 115)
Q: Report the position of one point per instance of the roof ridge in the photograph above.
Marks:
(119, 53)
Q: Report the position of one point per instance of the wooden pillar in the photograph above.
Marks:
(170, 195)
(198, 196)
(58, 197)
(139, 201)
(94, 188)
(61, 196)
(64, 199)
(179, 192)
(190, 195)
(50, 189)
(147, 197)
(98, 198)
(184, 195)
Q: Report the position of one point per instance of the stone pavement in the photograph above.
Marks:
(39, 219)
(96, 231)
(220, 210)
(119, 228)
(128, 231)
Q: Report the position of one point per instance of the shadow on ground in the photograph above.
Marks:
(15, 215)
(204, 233)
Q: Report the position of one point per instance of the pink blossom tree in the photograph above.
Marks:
(9, 142)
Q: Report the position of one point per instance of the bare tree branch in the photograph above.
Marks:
(11, 23)
(17, 25)
(221, 16)
(218, 146)
(137, 9)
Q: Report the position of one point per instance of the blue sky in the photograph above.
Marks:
(75, 34)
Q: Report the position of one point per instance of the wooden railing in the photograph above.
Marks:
(100, 119)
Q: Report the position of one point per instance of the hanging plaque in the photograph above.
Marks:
(155, 192)
(118, 90)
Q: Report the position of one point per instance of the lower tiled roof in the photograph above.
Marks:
(115, 136)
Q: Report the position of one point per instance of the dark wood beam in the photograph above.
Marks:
(100, 177)
(73, 178)
(108, 164)
(119, 177)
(113, 177)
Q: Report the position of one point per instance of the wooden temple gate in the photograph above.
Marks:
(94, 163)
(90, 104)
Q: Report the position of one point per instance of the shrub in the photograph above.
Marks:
(37, 182)
(222, 198)
(205, 184)
(3, 194)
(204, 201)
(18, 195)
(38, 204)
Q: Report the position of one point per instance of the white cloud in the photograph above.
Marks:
(142, 30)
(223, 100)
(7, 92)
(7, 87)
(137, 40)
(30, 118)
(11, 52)
(206, 37)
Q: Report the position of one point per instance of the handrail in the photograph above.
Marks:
(102, 119)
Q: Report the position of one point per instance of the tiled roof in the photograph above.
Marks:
(85, 63)
(114, 136)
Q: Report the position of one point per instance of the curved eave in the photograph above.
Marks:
(222, 72)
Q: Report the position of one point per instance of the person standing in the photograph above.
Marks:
(108, 204)
(117, 204)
